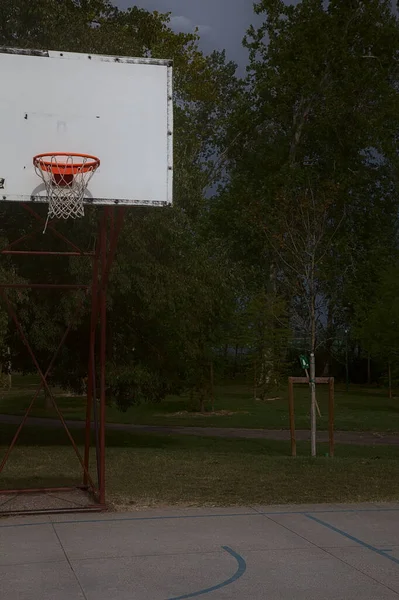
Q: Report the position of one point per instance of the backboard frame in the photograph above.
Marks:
(167, 199)
(111, 217)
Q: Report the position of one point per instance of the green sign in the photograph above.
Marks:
(304, 361)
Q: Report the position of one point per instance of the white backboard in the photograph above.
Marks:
(116, 108)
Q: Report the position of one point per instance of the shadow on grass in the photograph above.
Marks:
(44, 437)
(170, 444)
(372, 409)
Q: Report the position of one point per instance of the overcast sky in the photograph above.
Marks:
(222, 23)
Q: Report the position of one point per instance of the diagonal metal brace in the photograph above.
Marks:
(43, 384)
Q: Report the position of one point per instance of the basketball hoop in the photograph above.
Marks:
(66, 176)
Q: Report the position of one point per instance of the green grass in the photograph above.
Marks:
(150, 470)
(360, 409)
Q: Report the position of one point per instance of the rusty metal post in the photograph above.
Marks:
(103, 345)
(116, 229)
(331, 416)
(106, 260)
(91, 368)
(89, 394)
(292, 415)
(102, 259)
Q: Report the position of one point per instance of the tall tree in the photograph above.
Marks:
(378, 330)
(159, 332)
(317, 148)
(321, 142)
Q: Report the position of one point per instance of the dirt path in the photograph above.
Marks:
(341, 437)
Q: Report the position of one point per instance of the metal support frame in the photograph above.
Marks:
(102, 259)
(317, 380)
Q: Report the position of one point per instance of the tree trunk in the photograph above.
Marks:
(329, 332)
(202, 389)
(225, 363)
(193, 403)
(255, 381)
(269, 360)
(9, 368)
(368, 369)
(235, 361)
(390, 381)
(47, 401)
(202, 401)
(212, 385)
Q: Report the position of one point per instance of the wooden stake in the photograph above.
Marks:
(292, 415)
(255, 382)
(313, 424)
(331, 415)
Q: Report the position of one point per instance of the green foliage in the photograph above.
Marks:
(380, 331)
(170, 288)
(302, 227)
(312, 198)
(168, 311)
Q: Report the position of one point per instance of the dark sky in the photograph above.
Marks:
(222, 23)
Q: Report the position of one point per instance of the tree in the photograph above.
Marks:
(379, 331)
(326, 100)
(170, 282)
(317, 144)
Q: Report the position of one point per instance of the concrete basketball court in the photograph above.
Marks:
(334, 552)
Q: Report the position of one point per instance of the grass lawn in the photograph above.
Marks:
(150, 470)
(360, 409)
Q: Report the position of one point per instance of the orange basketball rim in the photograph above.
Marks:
(65, 165)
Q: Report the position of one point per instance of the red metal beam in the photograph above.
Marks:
(116, 229)
(57, 286)
(39, 490)
(52, 228)
(56, 353)
(55, 511)
(44, 381)
(103, 344)
(44, 253)
(91, 363)
(103, 257)
(26, 236)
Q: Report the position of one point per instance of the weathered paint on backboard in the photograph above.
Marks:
(117, 108)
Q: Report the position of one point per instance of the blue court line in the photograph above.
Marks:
(179, 517)
(242, 567)
(354, 539)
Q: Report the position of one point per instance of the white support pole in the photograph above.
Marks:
(312, 404)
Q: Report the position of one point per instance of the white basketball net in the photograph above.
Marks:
(66, 178)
